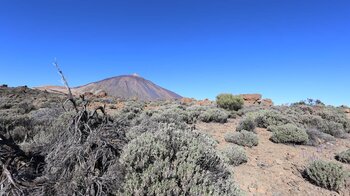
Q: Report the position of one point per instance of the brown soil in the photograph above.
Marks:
(275, 169)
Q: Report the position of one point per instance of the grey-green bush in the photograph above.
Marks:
(326, 126)
(242, 138)
(229, 101)
(317, 137)
(288, 133)
(235, 155)
(174, 162)
(344, 156)
(266, 118)
(247, 124)
(326, 174)
(214, 115)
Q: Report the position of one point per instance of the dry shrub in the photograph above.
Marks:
(84, 159)
(247, 124)
(174, 162)
(214, 115)
(235, 155)
(288, 133)
(243, 138)
(326, 174)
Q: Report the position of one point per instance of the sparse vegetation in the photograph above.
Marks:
(145, 148)
(87, 153)
(326, 174)
(229, 102)
(242, 138)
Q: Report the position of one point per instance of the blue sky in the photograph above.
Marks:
(286, 50)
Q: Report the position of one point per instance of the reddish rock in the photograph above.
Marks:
(347, 110)
(204, 102)
(256, 99)
(266, 102)
(251, 97)
(187, 101)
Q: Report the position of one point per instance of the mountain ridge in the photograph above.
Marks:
(123, 86)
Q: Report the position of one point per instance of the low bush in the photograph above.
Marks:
(214, 115)
(195, 111)
(326, 174)
(288, 133)
(344, 156)
(235, 155)
(229, 101)
(243, 138)
(247, 124)
(174, 162)
(329, 127)
(266, 118)
(317, 137)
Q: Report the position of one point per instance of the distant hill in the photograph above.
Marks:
(125, 86)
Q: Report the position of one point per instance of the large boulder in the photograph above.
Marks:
(251, 99)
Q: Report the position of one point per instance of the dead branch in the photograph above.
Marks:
(65, 82)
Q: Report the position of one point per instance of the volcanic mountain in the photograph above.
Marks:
(125, 86)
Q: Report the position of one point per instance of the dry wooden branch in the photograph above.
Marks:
(65, 82)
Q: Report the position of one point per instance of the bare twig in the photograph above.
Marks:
(70, 95)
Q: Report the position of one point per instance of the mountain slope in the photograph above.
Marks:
(129, 86)
(125, 86)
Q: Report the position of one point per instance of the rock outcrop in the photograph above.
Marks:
(256, 99)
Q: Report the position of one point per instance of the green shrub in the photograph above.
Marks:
(174, 162)
(195, 111)
(336, 115)
(288, 133)
(326, 126)
(247, 124)
(266, 118)
(214, 115)
(152, 121)
(235, 155)
(326, 174)
(229, 101)
(344, 156)
(243, 138)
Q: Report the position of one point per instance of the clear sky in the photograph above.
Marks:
(287, 50)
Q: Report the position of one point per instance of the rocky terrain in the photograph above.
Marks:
(276, 169)
(236, 145)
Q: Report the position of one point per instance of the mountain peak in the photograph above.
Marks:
(124, 86)
(136, 75)
(129, 86)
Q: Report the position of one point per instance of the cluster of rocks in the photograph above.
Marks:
(189, 101)
(256, 99)
(249, 100)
